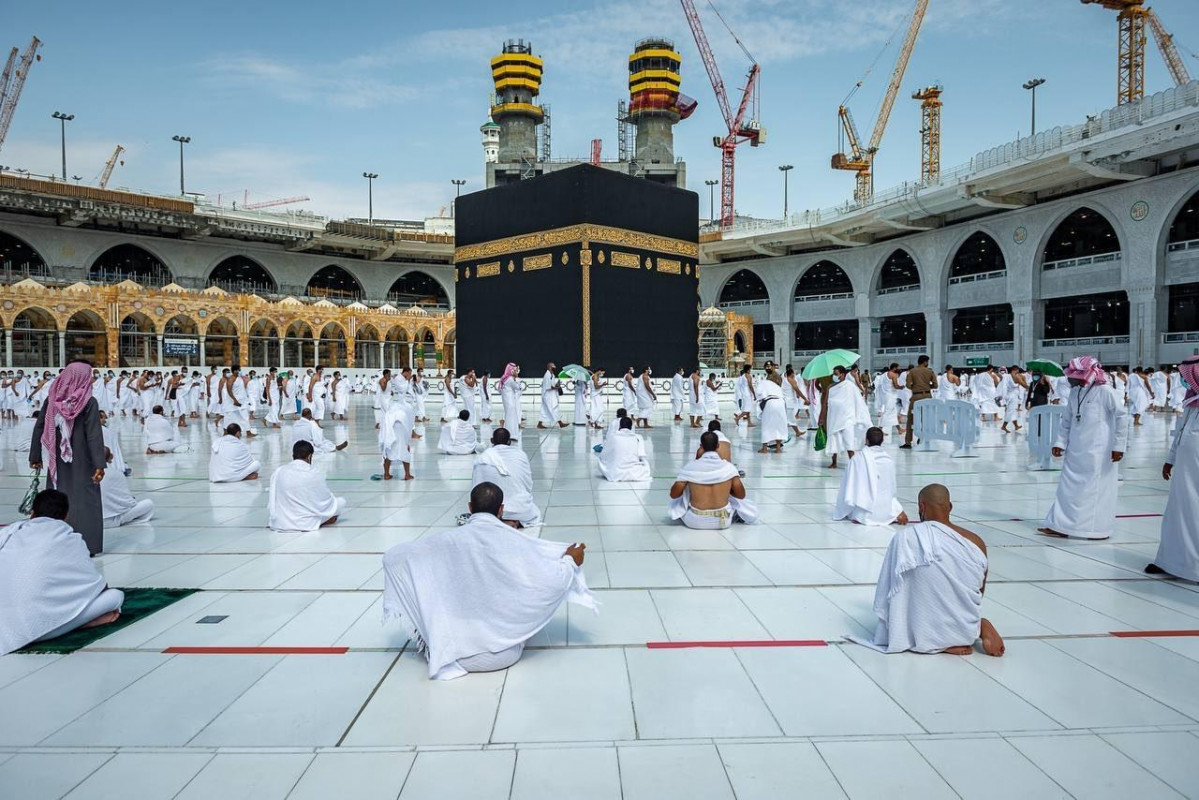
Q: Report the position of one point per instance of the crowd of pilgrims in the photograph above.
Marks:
(930, 589)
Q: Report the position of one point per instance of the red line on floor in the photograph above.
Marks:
(1135, 516)
(258, 651)
(749, 643)
(1132, 634)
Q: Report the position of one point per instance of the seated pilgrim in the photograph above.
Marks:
(930, 590)
(231, 460)
(867, 494)
(120, 507)
(474, 595)
(48, 583)
(508, 468)
(161, 436)
(306, 429)
(614, 425)
(725, 446)
(299, 498)
(708, 493)
(623, 457)
(458, 436)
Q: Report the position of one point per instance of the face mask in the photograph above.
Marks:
(836, 379)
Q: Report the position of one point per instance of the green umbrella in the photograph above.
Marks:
(702, 365)
(822, 365)
(1045, 367)
(574, 372)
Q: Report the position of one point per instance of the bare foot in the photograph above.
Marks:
(386, 476)
(409, 476)
(253, 476)
(963, 650)
(902, 519)
(1052, 532)
(992, 642)
(763, 450)
(540, 427)
(103, 619)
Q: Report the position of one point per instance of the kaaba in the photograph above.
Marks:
(584, 265)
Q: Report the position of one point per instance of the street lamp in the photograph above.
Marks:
(458, 184)
(1032, 85)
(370, 196)
(711, 201)
(76, 178)
(63, 119)
(785, 168)
(182, 140)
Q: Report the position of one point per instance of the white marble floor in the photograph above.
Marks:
(590, 711)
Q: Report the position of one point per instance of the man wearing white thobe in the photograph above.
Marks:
(508, 467)
(867, 493)
(773, 414)
(623, 457)
(678, 394)
(238, 405)
(551, 385)
(647, 398)
(845, 416)
(299, 498)
(1093, 436)
(1178, 552)
(458, 436)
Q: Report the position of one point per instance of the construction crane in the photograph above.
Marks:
(861, 159)
(110, 165)
(1131, 19)
(740, 129)
(930, 132)
(13, 81)
(286, 201)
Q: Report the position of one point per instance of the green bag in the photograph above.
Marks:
(821, 439)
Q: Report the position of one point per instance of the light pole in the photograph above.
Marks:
(370, 196)
(1032, 85)
(63, 119)
(182, 140)
(785, 168)
(458, 184)
(711, 200)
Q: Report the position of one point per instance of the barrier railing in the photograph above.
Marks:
(1081, 261)
(1043, 425)
(980, 276)
(954, 421)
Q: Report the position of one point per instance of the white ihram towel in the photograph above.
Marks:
(231, 461)
(708, 469)
(457, 438)
(395, 433)
(481, 588)
(299, 498)
(929, 594)
(867, 493)
(508, 468)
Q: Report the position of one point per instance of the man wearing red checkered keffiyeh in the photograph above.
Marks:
(1092, 437)
(1178, 553)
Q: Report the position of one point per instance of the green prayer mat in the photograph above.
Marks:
(139, 604)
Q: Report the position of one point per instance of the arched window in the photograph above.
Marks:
(34, 339)
(978, 257)
(826, 335)
(743, 288)
(137, 344)
(1088, 316)
(128, 262)
(905, 330)
(334, 283)
(1184, 230)
(86, 338)
(264, 344)
(983, 324)
(822, 281)
(1086, 234)
(18, 260)
(242, 275)
(417, 289)
(899, 273)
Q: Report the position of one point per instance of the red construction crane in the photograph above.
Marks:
(13, 82)
(740, 130)
(597, 151)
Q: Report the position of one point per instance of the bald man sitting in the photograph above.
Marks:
(930, 590)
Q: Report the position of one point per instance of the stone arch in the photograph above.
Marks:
(822, 278)
(419, 288)
(1083, 232)
(366, 347)
(34, 338)
(977, 254)
(137, 341)
(896, 272)
(739, 342)
(180, 326)
(241, 274)
(264, 343)
(297, 334)
(334, 350)
(741, 288)
(19, 259)
(221, 343)
(334, 283)
(424, 345)
(87, 337)
(130, 261)
(449, 349)
(397, 349)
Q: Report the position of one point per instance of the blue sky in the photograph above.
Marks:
(299, 98)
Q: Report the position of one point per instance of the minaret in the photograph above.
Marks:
(654, 98)
(491, 142)
(517, 76)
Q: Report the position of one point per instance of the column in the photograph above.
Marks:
(281, 340)
(8, 348)
(316, 352)
(159, 337)
(1024, 332)
(203, 354)
(350, 352)
(1143, 337)
(411, 355)
(935, 340)
(62, 349)
(243, 349)
(784, 343)
(868, 340)
(381, 351)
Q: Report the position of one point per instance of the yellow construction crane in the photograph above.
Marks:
(859, 159)
(930, 132)
(110, 165)
(1132, 17)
